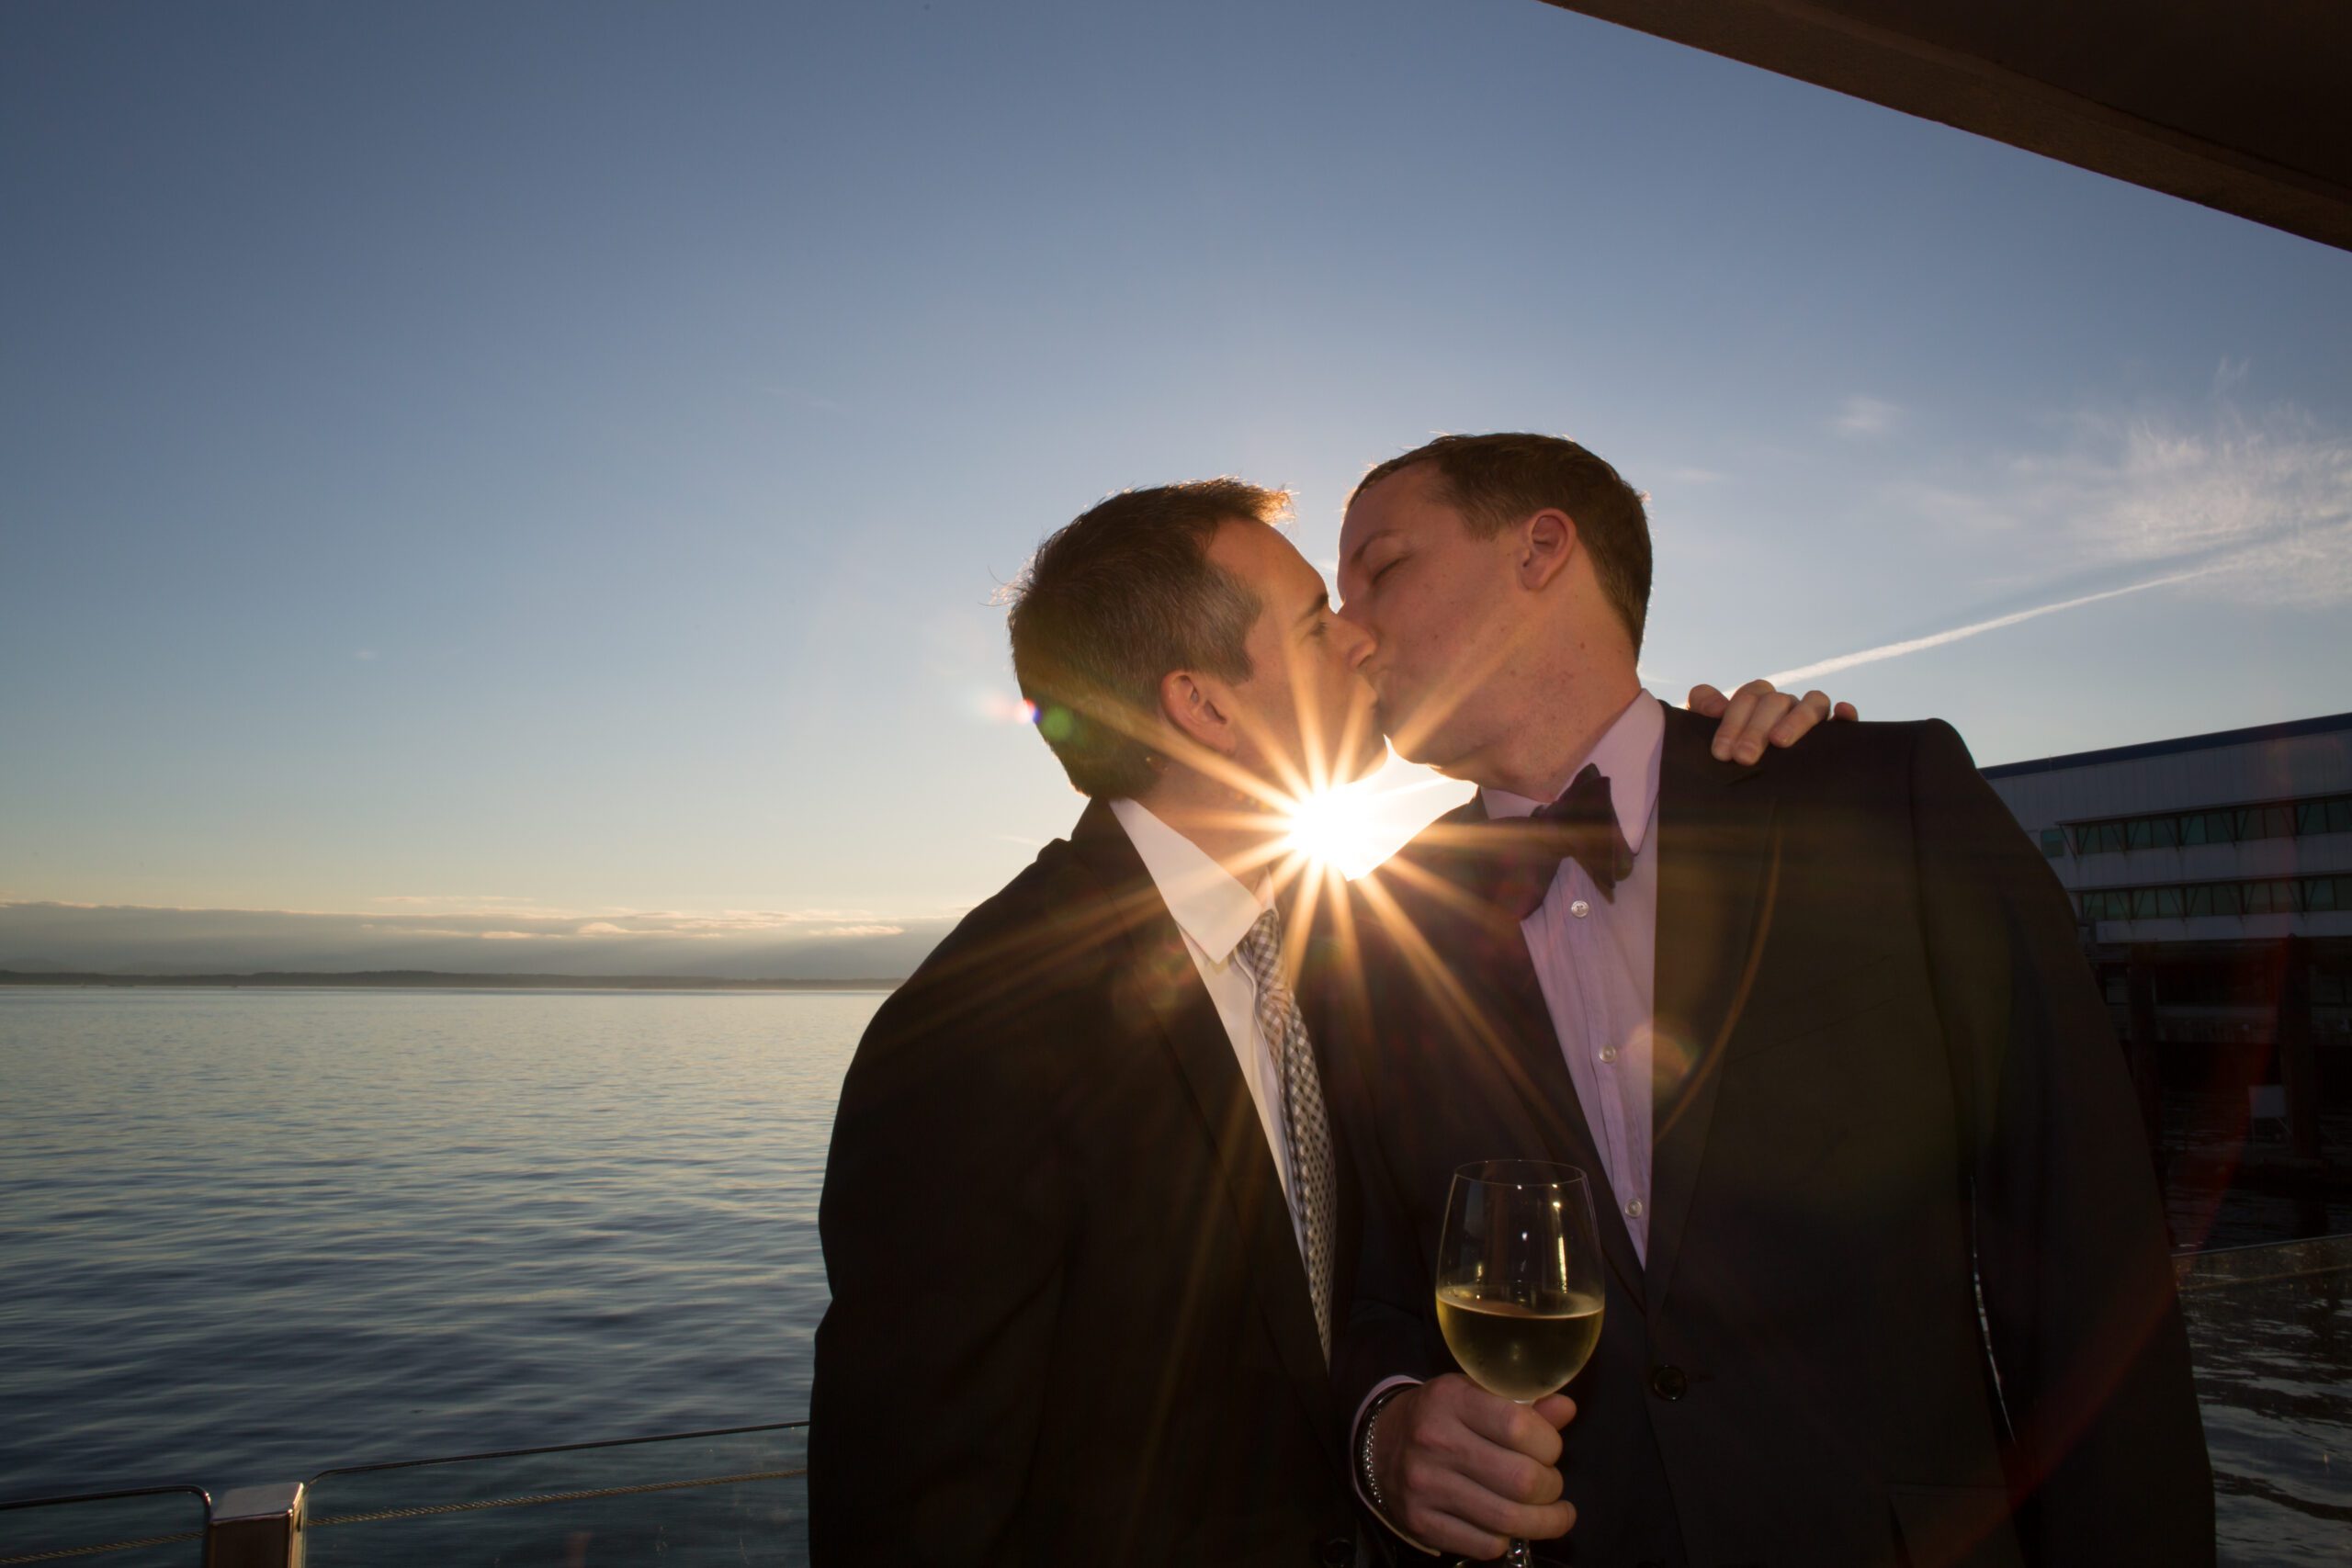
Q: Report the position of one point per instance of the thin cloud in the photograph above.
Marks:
(1862, 417)
(2269, 494)
(1977, 628)
(2251, 506)
(508, 923)
(2263, 496)
(737, 943)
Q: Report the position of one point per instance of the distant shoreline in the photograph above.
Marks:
(435, 979)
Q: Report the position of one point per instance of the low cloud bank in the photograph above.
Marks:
(119, 939)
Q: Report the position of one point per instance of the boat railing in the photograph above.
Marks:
(737, 1496)
(2268, 1326)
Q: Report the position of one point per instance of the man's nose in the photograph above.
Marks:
(1361, 645)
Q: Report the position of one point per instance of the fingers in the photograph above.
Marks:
(1748, 722)
(1756, 715)
(1454, 1516)
(1556, 1408)
(1462, 1471)
(1706, 702)
(1800, 718)
(1513, 1429)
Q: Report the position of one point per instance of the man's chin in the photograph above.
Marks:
(1367, 762)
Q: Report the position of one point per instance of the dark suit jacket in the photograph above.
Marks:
(1069, 1323)
(1884, 1075)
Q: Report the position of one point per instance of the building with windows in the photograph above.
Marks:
(2212, 878)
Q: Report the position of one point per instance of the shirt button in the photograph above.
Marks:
(1579, 909)
(1609, 1053)
(1633, 1209)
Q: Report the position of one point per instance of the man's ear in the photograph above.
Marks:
(1190, 707)
(1547, 541)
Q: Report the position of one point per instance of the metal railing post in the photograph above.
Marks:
(256, 1527)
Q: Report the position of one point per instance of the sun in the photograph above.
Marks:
(1335, 828)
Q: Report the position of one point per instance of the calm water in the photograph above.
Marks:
(245, 1236)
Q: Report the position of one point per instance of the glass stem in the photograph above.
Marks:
(1517, 1556)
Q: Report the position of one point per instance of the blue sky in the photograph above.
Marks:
(557, 458)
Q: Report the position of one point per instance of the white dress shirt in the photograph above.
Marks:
(1215, 912)
(1597, 960)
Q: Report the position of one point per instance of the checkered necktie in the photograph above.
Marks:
(1305, 1124)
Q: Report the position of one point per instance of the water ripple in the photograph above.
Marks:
(250, 1234)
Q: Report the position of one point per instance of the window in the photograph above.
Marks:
(2198, 900)
(2333, 815)
(2099, 838)
(2211, 825)
(2053, 842)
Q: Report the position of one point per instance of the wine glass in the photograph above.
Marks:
(1519, 1280)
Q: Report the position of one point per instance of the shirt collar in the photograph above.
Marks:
(1628, 754)
(1213, 909)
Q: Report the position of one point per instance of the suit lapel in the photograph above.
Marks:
(1161, 984)
(1717, 871)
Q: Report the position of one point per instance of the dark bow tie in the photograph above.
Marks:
(1522, 854)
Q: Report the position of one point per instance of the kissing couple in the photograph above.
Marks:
(1132, 1210)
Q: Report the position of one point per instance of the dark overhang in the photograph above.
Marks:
(2291, 730)
(2235, 104)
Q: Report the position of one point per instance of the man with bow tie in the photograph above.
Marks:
(1887, 1279)
(1086, 1220)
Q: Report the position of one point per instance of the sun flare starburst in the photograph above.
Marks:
(1337, 829)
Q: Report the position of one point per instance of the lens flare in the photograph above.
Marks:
(1336, 829)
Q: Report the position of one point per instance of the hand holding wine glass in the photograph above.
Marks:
(1519, 1283)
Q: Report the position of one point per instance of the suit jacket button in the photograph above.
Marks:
(1336, 1552)
(1667, 1382)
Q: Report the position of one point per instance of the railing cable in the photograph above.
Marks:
(421, 1511)
(63, 1552)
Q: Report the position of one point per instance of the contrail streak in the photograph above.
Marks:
(1897, 650)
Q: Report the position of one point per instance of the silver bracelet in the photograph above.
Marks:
(1364, 1448)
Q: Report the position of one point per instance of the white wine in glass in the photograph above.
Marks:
(1519, 1284)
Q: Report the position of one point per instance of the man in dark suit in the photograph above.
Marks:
(1887, 1280)
(1081, 1217)
(1085, 1218)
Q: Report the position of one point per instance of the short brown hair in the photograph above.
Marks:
(1116, 599)
(1498, 480)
